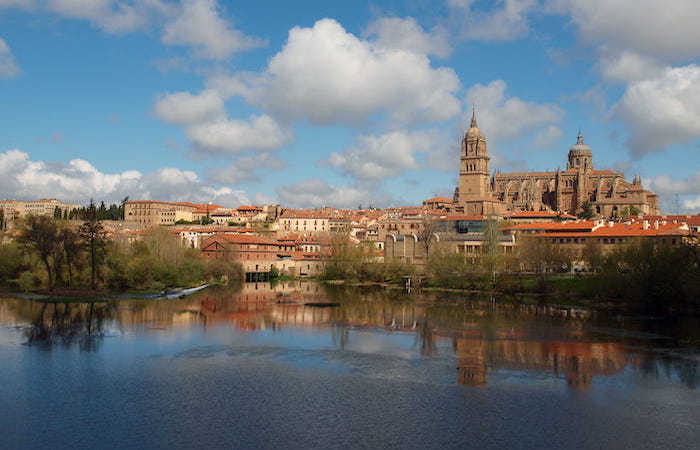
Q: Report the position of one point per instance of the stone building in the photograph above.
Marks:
(16, 209)
(607, 191)
(149, 213)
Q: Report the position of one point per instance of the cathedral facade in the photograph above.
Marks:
(607, 192)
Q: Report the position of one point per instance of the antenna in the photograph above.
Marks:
(677, 204)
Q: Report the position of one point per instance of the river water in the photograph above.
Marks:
(300, 365)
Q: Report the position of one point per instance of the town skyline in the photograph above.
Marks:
(339, 105)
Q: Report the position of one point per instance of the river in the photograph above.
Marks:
(301, 365)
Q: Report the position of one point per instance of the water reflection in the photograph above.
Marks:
(483, 337)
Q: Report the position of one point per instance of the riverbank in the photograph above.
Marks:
(68, 295)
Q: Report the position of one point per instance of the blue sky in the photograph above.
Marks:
(339, 103)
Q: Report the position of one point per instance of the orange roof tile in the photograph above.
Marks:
(538, 214)
(243, 238)
(439, 200)
(462, 217)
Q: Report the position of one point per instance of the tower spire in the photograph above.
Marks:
(473, 124)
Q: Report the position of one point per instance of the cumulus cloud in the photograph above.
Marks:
(405, 34)
(628, 66)
(662, 111)
(244, 169)
(8, 66)
(375, 158)
(327, 75)
(668, 187)
(183, 108)
(547, 138)
(259, 132)
(199, 25)
(504, 118)
(667, 31)
(79, 180)
(313, 193)
(211, 132)
(491, 21)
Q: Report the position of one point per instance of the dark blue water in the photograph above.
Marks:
(222, 370)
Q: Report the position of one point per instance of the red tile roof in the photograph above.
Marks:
(537, 215)
(439, 200)
(462, 217)
(621, 229)
(243, 239)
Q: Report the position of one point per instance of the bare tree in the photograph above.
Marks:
(426, 232)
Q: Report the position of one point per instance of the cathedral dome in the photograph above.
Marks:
(474, 131)
(580, 155)
(580, 149)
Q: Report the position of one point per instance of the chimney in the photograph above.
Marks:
(645, 225)
(611, 223)
(656, 224)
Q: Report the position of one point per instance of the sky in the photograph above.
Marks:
(344, 104)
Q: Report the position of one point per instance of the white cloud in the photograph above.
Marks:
(503, 118)
(375, 158)
(183, 108)
(628, 66)
(8, 66)
(662, 111)
(199, 25)
(547, 138)
(244, 169)
(666, 30)
(668, 187)
(394, 33)
(327, 75)
(24, 4)
(79, 180)
(237, 136)
(112, 16)
(314, 192)
(491, 21)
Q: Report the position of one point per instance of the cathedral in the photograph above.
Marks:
(607, 191)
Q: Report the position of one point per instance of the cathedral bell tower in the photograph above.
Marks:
(474, 174)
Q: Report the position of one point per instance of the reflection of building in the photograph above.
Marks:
(607, 191)
(577, 361)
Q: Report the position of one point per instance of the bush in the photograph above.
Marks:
(28, 281)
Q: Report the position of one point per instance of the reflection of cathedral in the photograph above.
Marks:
(567, 190)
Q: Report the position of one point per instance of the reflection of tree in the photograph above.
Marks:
(59, 323)
(685, 369)
(427, 337)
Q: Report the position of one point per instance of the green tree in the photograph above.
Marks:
(94, 239)
(39, 234)
(629, 211)
(71, 245)
(11, 262)
(541, 256)
(122, 208)
(586, 212)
